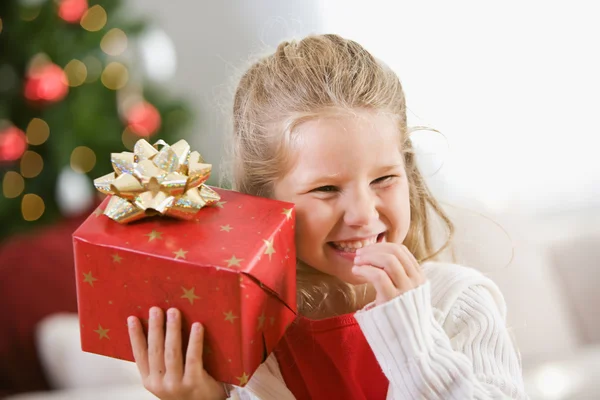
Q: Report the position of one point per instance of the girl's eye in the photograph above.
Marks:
(326, 189)
(383, 179)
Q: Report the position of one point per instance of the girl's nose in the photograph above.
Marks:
(360, 209)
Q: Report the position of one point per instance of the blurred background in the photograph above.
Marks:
(512, 88)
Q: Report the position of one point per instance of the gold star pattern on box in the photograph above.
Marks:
(229, 316)
(180, 254)
(88, 278)
(234, 261)
(98, 212)
(189, 294)
(226, 228)
(270, 249)
(103, 333)
(154, 235)
(117, 258)
(288, 212)
(220, 204)
(243, 379)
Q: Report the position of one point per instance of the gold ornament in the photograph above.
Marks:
(149, 181)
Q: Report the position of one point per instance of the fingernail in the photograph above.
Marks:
(153, 312)
(131, 321)
(358, 251)
(196, 326)
(171, 315)
(356, 259)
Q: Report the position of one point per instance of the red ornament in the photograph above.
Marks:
(72, 10)
(13, 144)
(143, 119)
(46, 84)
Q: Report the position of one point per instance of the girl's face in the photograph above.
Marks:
(350, 189)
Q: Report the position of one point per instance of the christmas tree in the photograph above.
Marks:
(71, 93)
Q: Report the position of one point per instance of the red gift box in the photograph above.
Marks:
(232, 268)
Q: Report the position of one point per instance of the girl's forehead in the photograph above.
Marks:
(341, 146)
(348, 130)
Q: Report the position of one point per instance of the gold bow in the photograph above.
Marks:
(150, 181)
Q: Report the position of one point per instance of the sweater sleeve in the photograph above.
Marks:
(470, 355)
(267, 383)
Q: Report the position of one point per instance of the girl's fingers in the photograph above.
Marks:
(138, 345)
(380, 280)
(406, 258)
(389, 263)
(156, 341)
(410, 263)
(193, 358)
(173, 357)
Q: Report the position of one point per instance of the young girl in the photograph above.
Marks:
(321, 123)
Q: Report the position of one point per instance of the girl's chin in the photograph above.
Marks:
(353, 279)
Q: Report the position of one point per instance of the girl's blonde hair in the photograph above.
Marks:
(301, 81)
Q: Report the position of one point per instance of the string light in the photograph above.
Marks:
(83, 159)
(31, 164)
(38, 131)
(114, 42)
(76, 73)
(94, 19)
(115, 76)
(32, 207)
(13, 185)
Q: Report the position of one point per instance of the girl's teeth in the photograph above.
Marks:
(351, 246)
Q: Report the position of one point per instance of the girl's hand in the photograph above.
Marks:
(391, 268)
(160, 361)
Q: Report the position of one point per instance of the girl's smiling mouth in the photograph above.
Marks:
(347, 248)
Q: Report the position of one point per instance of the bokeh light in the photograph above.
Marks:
(83, 159)
(46, 83)
(129, 138)
(115, 76)
(159, 58)
(76, 73)
(94, 68)
(38, 131)
(94, 19)
(31, 164)
(30, 13)
(32, 207)
(72, 10)
(0, 25)
(13, 143)
(114, 42)
(12, 184)
(143, 119)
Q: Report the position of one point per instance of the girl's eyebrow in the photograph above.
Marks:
(319, 180)
(387, 168)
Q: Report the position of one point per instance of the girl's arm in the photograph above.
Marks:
(468, 354)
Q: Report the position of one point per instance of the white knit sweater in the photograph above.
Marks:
(446, 339)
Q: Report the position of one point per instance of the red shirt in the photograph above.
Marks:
(330, 359)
